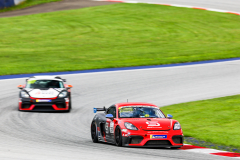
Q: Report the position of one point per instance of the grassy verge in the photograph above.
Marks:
(116, 35)
(27, 3)
(215, 121)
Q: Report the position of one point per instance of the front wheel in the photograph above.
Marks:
(118, 136)
(94, 132)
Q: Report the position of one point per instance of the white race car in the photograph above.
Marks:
(45, 93)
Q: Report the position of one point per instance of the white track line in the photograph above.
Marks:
(175, 5)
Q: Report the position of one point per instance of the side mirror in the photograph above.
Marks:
(69, 86)
(110, 116)
(20, 86)
(169, 116)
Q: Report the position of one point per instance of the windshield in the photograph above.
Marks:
(44, 84)
(140, 112)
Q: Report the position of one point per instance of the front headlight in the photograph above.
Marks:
(63, 94)
(130, 126)
(24, 94)
(177, 126)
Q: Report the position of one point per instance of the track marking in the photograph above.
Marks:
(197, 149)
(174, 5)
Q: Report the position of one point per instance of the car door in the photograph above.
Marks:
(109, 125)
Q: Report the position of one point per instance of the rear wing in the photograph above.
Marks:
(99, 109)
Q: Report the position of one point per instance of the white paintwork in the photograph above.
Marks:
(50, 93)
(17, 2)
(45, 78)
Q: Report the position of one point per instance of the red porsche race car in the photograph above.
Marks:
(136, 124)
(45, 93)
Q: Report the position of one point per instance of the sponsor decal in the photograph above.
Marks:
(48, 92)
(158, 136)
(44, 92)
(152, 124)
(66, 99)
(106, 127)
(43, 100)
(31, 81)
(112, 127)
(38, 92)
(124, 130)
(158, 132)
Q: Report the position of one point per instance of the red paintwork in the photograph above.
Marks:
(199, 8)
(185, 147)
(166, 126)
(227, 154)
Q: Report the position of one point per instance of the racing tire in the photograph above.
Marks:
(94, 132)
(70, 103)
(118, 136)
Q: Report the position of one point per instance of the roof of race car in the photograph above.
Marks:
(45, 78)
(134, 104)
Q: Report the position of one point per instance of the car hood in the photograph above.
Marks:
(46, 93)
(151, 124)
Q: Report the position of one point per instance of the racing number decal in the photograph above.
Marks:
(106, 127)
(112, 127)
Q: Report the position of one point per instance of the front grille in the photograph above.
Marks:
(158, 142)
(26, 106)
(177, 139)
(43, 108)
(61, 105)
(136, 140)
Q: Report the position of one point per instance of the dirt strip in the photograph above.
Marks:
(54, 6)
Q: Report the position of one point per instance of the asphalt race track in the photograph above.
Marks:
(229, 5)
(65, 136)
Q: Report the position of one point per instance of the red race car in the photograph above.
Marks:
(136, 124)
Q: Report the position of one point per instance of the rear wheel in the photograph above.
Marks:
(94, 132)
(118, 136)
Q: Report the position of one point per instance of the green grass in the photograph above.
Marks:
(27, 3)
(118, 35)
(215, 120)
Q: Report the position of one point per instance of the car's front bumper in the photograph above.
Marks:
(43, 104)
(172, 138)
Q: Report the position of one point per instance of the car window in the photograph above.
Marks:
(112, 110)
(44, 84)
(140, 112)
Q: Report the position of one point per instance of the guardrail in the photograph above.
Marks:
(9, 3)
